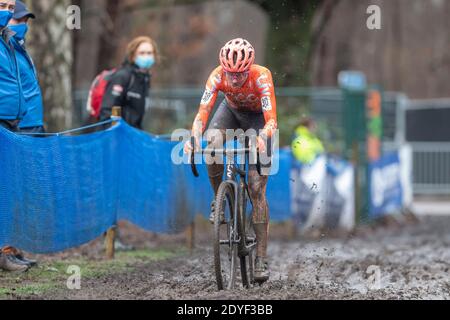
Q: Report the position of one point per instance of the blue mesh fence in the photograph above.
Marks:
(63, 191)
(57, 192)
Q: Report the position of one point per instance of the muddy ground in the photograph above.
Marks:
(401, 262)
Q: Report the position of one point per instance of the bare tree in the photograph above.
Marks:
(50, 44)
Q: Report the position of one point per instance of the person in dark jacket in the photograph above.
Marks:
(12, 107)
(33, 118)
(129, 86)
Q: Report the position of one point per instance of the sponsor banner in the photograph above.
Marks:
(322, 194)
(385, 189)
(340, 195)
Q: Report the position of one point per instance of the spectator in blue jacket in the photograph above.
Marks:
(11, 112)
(32, 121)
(12, 108)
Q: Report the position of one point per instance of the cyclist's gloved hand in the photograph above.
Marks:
(188, 148)
(261, 144)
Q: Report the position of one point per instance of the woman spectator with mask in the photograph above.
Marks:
(129, 86)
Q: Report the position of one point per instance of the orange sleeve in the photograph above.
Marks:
(208, 100)
(268, 102)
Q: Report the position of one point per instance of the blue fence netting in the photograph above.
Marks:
(58, 192)
(63, 191)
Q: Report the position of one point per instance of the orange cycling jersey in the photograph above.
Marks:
(256, 95)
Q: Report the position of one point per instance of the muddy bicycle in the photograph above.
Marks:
(234, 238)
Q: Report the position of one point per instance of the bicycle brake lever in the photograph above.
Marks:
(193, 166)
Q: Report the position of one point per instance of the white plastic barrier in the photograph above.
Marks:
(322, 194)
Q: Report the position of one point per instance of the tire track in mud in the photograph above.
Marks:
(407, 263)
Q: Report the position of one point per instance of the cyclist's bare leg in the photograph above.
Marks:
(215, 174)
(257, 188)
(215, 170)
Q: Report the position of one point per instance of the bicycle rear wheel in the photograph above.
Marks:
(248, 262)
(225, 250)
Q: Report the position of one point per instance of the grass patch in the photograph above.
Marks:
(31, 289)
(52, 275)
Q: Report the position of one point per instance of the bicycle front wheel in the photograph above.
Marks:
(225, 248)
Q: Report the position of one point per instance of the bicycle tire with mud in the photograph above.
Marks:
(225, 194)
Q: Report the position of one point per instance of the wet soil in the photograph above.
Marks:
(398, 262)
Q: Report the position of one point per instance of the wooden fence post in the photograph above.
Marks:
(190, 236)
(111, 233)
(109, 242)
(291, 230)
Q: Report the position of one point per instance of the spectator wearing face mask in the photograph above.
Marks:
(33, 118)
(128, 87)
(12, 104)
(12, 101)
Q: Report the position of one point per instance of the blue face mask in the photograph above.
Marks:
(145, 62)
(20, 29)
(5, 16)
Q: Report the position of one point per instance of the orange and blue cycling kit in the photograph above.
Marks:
(256, 95)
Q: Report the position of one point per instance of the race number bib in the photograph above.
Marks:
(207, 96)
(266, 104)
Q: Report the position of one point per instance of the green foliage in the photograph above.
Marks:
(288, 120)
(289, 37)
(289, 40)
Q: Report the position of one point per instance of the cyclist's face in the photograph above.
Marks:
(7, 5)
(237, 79)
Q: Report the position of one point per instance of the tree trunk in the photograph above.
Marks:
(410, 53)
(50, 44)
(108, 42)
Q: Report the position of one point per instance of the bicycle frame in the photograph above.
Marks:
(240, 187)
